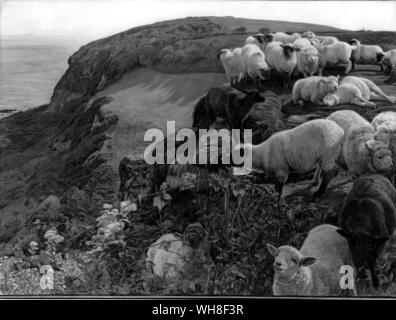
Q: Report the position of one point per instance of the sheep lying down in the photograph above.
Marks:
(313, 89)
(314, 270)
(170, 254)
(357, 91)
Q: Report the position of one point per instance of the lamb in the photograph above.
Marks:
(366, 54)
(389, 60)
(286, 38)
(261, 40)
(282, 57)
(170, 254)
(361, 153)
(307, 60)
(368, 219)
(254, 63)
(313, 89)
(336, 53)
(357, 91)
(314, 270)
(312, 145)
(232, 63)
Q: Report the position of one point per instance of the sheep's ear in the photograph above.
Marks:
(307, 261)
(271, 249)
(344, 233)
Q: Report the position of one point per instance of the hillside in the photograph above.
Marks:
(113, 90)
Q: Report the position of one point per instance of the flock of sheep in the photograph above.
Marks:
(367, 151)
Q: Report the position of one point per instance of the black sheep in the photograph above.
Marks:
(367, 220)
(224, 102)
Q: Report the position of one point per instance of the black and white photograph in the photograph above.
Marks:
(198, 148)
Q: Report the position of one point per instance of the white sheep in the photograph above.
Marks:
(286, 38)
(334, 54)
(384, 125)
(314, 270)
(389, 60)
(169, 255)
(312, 145)
(282, 57)
(261, 40)
(327, 40)
(366, 54)
(307, 60)
(357, 91)
(308, 34)
(254, 63)
(361, 153)
(313, 89)
(301, 43)
(232, 63)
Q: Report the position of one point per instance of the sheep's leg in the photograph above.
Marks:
(316, 179)
(374, 276)
(381, 67)
(323, 185)
(348, 67)
(353, 64)
(360, 101)
(281, 179)
(388, 70)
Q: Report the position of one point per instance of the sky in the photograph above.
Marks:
(92, 19)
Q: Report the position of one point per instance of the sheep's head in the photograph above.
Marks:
(330, 100)
(222, 52)
(379, 56)
(308, 34)
(329, 85)
(260, 37)
(385, 61)
(194, 234)
(311, 55)
(383, 133)
(289, 50)
(380, 155)
(354, 42)
(288, 260)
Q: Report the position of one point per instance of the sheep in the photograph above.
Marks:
(308, 35)
(232, 63)
(282, 57)
(301, 43)
(314, 270)
(313, 144)
(336, 53)
(286, 38)
(325, 40)
(389, 60)
(254, 63)
(307, 60)
(368, 219)
(366, 54)
(357, 91)
(361, 153)
(315, 42)
(261, 40)
(171, 253)
(313, 89)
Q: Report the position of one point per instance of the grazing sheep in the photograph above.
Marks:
(307, 60)
(170, 253)
(368, 219)
(286, 38)
(361, 154)
(357, 91)
(282, 57)
(314, 270)
(313, 89)
(366, 54)
(301, 43)
(254, 63)
(232, 63)
(261, 40)
(226, 103)
(334, 54)
(389, 61)
(312, 145)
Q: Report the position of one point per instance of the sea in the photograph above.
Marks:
(30, 67)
